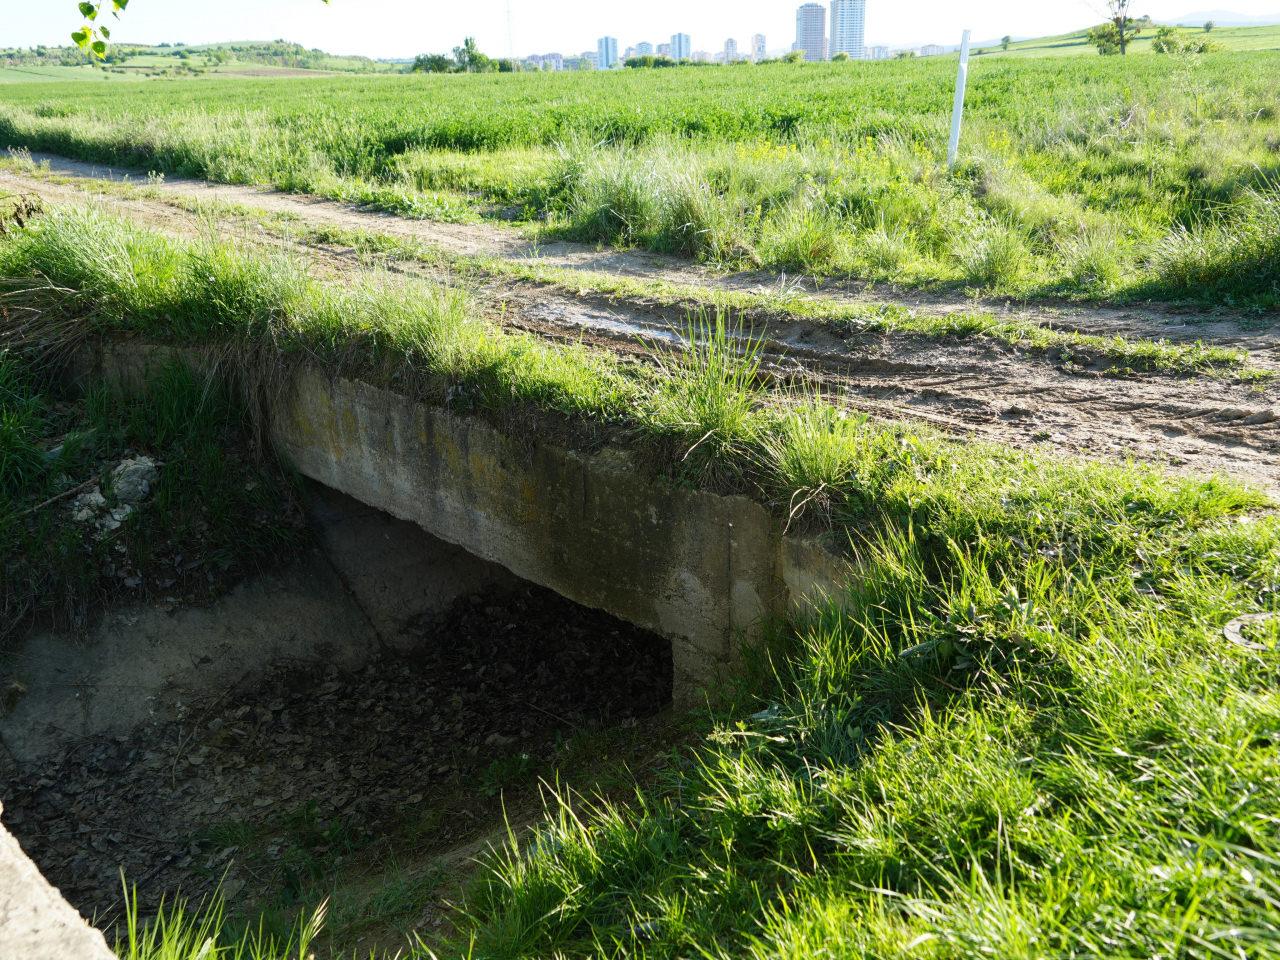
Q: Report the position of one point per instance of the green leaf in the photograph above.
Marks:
(119, 5)
(89, 11)
(106, 34)
(81, 37)
(100, 48)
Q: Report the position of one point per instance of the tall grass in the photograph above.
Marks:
(1219, 257)
(986, 750)
(21, 427)
(185, 931)
(1081, 177)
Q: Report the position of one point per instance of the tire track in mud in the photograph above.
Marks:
(972, 387)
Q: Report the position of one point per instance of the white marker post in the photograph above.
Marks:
(957, 113)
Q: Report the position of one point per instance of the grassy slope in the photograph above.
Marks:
(35, 74)
(1110, 355)
(1231, 39)
(1097, 178)
(1023, 735)
(1126, 354)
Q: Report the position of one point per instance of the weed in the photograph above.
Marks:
(710, 391)
(184, 931)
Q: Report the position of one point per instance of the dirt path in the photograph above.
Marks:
(1257, 334)
(965, 386)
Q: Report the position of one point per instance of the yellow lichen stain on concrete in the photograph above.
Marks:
(528, 504)
(350, 425)
(449, 451)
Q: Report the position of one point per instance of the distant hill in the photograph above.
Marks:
(1077, 43)
(244, 58)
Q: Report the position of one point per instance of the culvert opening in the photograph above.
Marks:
(312, 769)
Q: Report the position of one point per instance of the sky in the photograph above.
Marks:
(403, 28)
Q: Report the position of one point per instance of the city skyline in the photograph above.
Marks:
(391, 29)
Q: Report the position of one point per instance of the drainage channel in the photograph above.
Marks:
(442, 693)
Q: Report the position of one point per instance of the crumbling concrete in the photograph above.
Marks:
(35, 922)
(705, 570)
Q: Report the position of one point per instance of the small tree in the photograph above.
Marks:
(1006, 42)
(795, 56)
(650, 62)
(841, 57)
(1126, 27)
(1166, 40)
(470, 59)
(1104, 38)
(432, 63)
(1209, 25)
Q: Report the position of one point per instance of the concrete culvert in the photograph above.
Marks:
(411, 694)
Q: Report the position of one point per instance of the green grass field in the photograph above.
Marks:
(42, 74)
(220, 60)
(1022, 731)
(1097, 178)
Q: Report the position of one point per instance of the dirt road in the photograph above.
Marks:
(966, 386)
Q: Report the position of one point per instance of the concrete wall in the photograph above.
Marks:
(35, 922)
(705, 570)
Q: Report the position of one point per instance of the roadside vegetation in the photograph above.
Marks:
(1112, 355)
(1099, 178)
(1119, 355)
(1022, 731)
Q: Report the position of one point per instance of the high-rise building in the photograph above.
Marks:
(546, 61)
(681, 46)
(849, 28)
(758, 48)
(879, 53)
(811, 32)
(664, 49)
(644, 49)
(730, 50)
(932, 50)
(607, 53)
